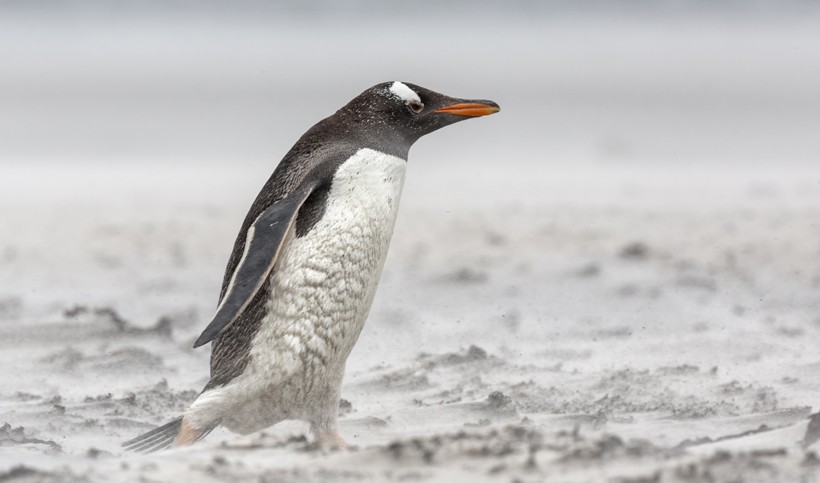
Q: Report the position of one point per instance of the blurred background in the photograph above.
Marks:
(101, 86)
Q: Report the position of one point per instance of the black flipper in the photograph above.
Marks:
(263, 244)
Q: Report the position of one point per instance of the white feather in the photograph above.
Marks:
(403, 92)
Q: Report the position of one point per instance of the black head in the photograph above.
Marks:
(393, 115)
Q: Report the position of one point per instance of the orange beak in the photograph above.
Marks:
(471, 109)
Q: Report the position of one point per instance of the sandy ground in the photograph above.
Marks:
(595, 324)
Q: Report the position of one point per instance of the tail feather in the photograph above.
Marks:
(161, 437)
(813, 431)
(156, 439)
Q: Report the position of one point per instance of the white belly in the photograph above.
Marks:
(321, 291)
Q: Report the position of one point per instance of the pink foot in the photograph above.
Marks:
(331, 440)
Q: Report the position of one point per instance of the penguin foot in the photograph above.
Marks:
(331, 440)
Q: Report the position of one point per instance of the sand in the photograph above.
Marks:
(609, 326)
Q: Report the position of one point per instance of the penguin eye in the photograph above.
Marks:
(415, 106)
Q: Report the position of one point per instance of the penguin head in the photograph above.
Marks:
(405, 112)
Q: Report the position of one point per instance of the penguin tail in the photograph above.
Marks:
(812, 431)
(163, 437)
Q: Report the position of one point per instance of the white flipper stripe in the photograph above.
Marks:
(248, 241)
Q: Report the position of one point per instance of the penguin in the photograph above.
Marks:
(304, 268)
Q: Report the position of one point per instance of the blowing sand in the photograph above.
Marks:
(586, 325)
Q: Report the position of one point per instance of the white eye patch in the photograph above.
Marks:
(403, 92)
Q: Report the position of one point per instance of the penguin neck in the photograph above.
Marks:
(373, 133)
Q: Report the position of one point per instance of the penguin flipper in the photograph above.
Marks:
(263, 243)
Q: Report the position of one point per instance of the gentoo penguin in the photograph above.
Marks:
(304, 268)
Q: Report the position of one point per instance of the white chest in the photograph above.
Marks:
(324, 282)
(363, 198)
